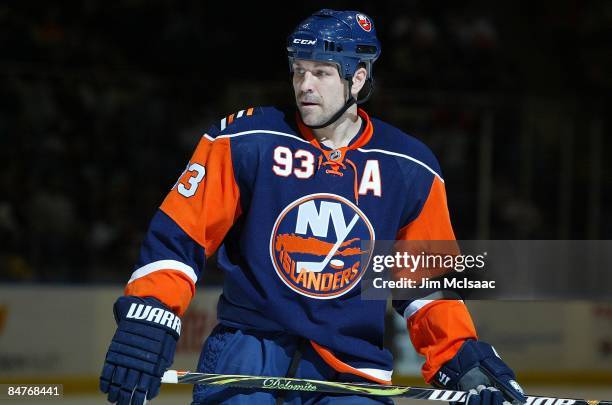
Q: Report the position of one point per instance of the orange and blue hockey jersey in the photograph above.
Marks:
(287, 215)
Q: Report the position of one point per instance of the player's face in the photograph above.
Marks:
(319, 90)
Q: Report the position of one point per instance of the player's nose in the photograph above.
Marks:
(307, 84)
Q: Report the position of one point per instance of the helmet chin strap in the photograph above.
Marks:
(351, 100)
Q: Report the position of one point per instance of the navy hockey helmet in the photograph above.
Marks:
(347, 38)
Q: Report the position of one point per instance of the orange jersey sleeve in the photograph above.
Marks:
(195, 216)
(437, 324)
(433, 222)
(205, 202)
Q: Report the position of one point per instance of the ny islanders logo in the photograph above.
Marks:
(315, 245)
(364, 22)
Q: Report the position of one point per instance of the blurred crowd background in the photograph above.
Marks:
(102, 103)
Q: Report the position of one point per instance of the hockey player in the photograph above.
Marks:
(285, 197)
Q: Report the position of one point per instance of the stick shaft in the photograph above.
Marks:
(316, 386)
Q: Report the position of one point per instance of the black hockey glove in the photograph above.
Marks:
(141, 350)
(477, 369)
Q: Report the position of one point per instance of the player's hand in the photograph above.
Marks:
(478, 369)
(141, 350)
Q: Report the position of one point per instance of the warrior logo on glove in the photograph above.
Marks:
(157, 315)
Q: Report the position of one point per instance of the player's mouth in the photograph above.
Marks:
(308, 104)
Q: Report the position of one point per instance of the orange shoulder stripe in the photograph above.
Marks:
(430, 232)
(433, 223)
(206, 205)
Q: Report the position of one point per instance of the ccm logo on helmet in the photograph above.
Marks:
(304, 41)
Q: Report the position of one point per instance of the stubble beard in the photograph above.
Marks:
(317, 115)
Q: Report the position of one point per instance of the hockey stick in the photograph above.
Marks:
(299, 384)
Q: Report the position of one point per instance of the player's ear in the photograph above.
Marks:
(359, 79)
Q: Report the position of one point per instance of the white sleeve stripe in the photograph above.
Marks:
(223, 123)
(416, 305)
(164, 265)
(239, 113)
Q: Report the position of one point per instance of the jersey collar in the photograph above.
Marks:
(357, 142)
